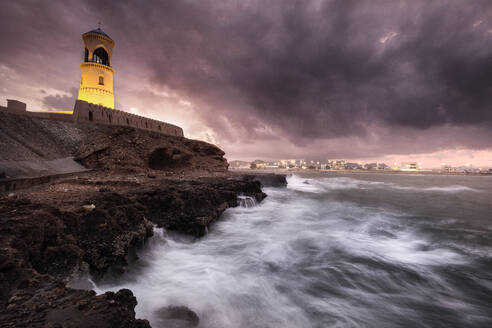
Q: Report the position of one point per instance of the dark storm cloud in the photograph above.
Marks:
(300, 70)
(322, 69)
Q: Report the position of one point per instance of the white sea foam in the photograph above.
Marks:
(296, 182)
(298, 260)
(246, 201)
(299, 183)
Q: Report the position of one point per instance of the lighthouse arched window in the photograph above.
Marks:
(100, 56)
(101, 80)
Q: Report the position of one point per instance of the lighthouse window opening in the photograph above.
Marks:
(100, 56)
(101, 80)
(86, 55)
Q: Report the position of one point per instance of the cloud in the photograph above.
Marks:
(60, 101)
(290, 74)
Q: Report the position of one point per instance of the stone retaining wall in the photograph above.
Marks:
(87, 112)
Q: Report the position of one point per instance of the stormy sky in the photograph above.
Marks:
(363, 80)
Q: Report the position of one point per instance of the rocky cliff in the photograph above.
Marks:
(128, 150)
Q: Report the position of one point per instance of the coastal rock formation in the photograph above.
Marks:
(177, 317)
(269, 179)
(91, 225)
(44, 303)
(191, 206)
(43, 245)
(128, 150)
(60, 242)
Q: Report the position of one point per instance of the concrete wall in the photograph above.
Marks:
(87, 112)
(12, 185)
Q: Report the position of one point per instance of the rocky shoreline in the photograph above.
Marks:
(92, 225)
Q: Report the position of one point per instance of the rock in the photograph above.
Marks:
(190, 206)
(54, 305)
(3, 175)
(117, 150)
(269, 179)
(89, 208)
(177, 317)
(50, 237)
(35, 237)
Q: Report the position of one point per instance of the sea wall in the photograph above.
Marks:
(85, 112)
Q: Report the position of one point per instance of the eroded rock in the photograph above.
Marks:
(124, 149)
(176, 317)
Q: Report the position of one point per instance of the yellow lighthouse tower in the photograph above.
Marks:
(96, 82)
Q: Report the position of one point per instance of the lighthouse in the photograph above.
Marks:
(96, 81)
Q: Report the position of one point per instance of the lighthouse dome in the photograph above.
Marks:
(100, 32)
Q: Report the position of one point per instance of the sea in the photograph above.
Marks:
(331, 250)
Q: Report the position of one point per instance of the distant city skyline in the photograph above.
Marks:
(425, 160)
(363, 80)
(347, 165)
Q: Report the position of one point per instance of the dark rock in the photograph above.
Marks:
(177, 317)
(191, 206)
(269, 179)
(52, 304)
(43, 244)
(41, 238)
(123, 149)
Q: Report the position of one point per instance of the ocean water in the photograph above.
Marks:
(334, 250)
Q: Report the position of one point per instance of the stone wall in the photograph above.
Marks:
(86, 112)
(19, 110)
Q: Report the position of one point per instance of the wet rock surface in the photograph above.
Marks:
(42, 246)
(46, 303)
(191, 206)
(177, 317)
(91, 226)
(269, 179)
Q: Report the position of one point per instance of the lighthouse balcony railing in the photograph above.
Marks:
(96, 62)
(97, 65)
